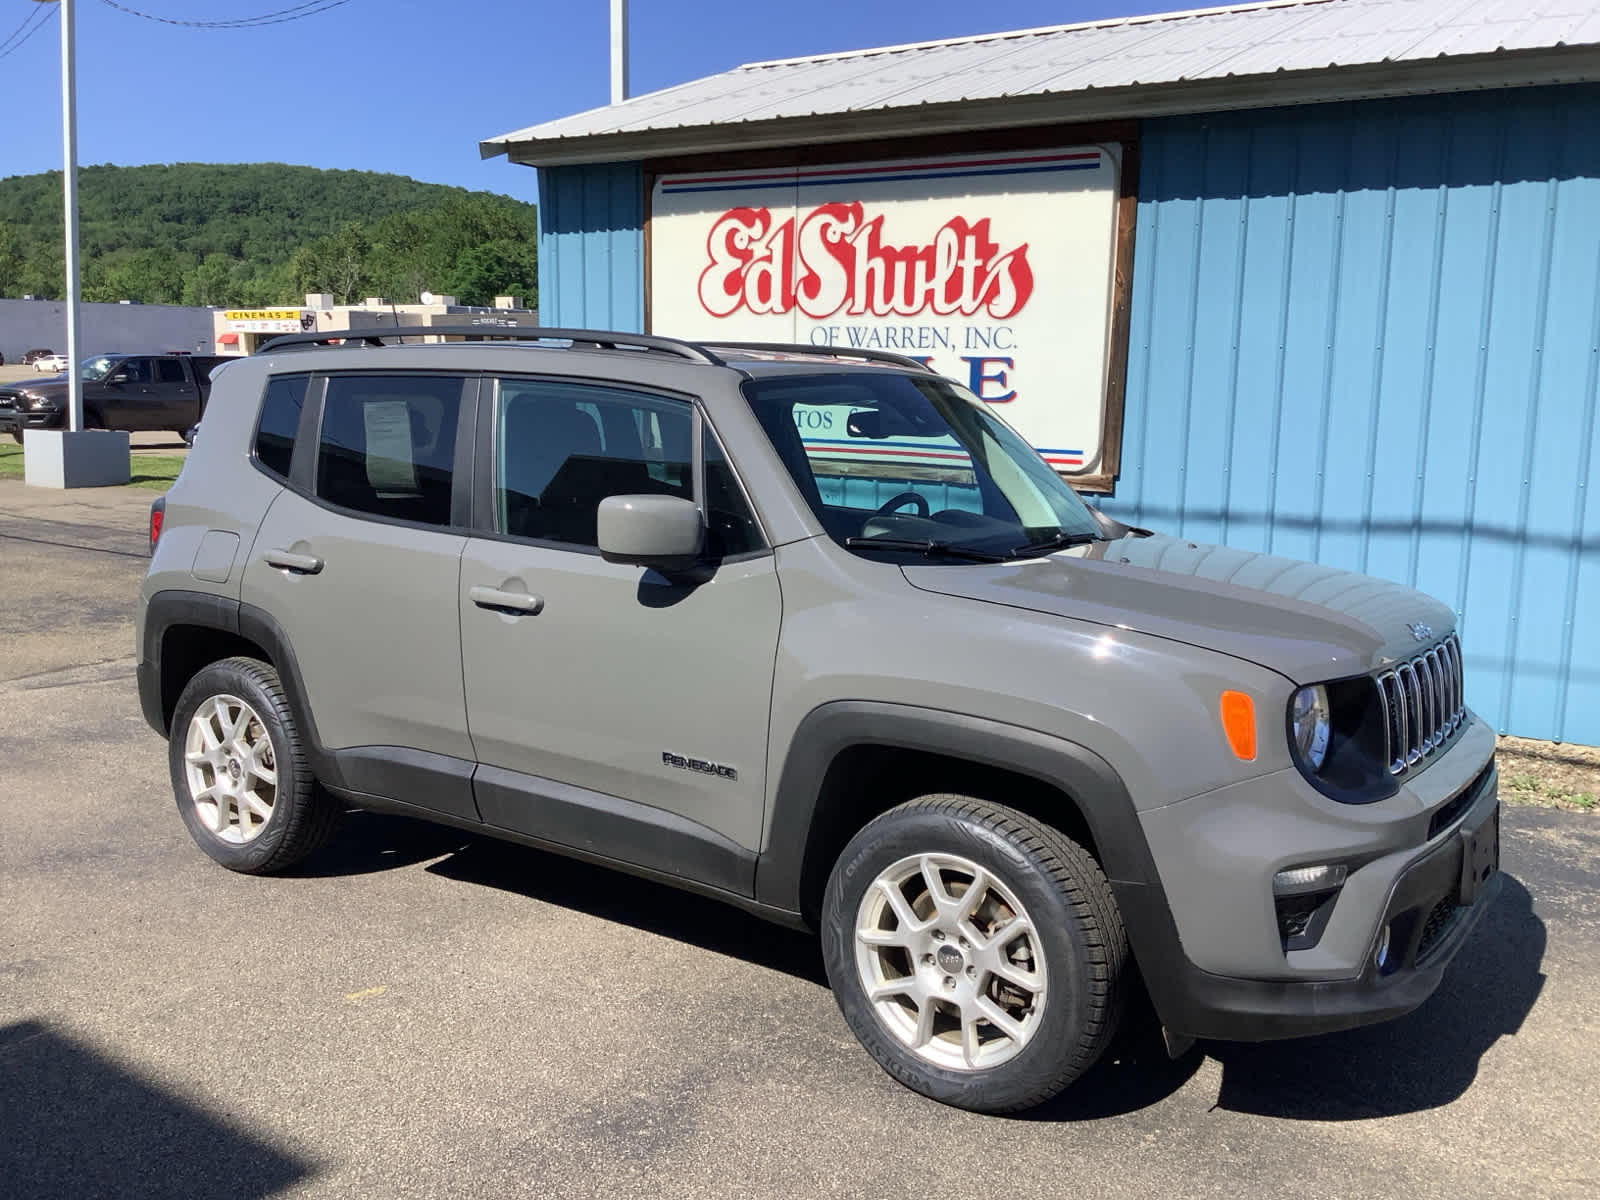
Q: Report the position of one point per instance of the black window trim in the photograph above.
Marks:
(300, 430)
(484, 523)
(303, 462)
(766, 546)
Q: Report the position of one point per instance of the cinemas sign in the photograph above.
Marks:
(996, 269)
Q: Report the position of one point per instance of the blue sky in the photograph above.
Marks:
(410, 86)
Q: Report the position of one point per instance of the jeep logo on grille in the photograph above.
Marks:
(698, 764)
(1420, 631)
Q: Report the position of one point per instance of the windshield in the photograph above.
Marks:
(97, 368)
(916, 465)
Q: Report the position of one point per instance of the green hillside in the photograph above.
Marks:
(264, 233)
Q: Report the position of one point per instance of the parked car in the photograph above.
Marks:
(29, 357)
(50, 363)
(120, 391)
(1010, 758)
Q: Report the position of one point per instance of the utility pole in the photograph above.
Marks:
(71, 458)
(619, 51)
(69, 189)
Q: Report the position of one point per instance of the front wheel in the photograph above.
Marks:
(239, 771)
(975, 952)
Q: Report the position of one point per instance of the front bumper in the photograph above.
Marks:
(1429, 925)
(1225, 975)
(17, 420)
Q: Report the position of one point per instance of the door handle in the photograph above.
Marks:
(518, 603)
(300, 564)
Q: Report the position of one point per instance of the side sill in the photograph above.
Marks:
(617, 830)
(767, 912)
(431, 782)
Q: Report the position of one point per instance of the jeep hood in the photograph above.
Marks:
(1305, 621)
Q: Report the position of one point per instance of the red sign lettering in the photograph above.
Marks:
(834, 260)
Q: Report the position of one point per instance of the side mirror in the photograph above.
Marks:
(116, 377)
(665, 533)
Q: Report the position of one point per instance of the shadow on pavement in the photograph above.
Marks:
(1422, 1061)
(615, 896)
(368, 842)
(74, 1124)
(1134, 1074)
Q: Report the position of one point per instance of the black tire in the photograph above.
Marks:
(302, 815)
(1079, 936)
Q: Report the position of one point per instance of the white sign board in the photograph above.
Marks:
(996, 269)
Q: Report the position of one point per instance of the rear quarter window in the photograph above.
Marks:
(280, 418)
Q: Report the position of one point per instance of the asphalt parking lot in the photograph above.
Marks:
(420, 1012)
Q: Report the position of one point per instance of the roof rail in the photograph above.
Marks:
(883, 356)
(578, 339)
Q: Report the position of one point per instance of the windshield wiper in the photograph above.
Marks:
(1058, 541)
(930, 548)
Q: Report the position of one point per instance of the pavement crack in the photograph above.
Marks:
(92, 672)
(17, 537)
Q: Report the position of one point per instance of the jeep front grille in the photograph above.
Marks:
(1422, 704)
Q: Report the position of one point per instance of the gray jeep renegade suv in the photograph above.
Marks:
(815, 633)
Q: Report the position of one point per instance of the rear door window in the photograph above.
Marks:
(170, 370)
(387, 445)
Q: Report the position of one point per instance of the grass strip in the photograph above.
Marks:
(153, 472)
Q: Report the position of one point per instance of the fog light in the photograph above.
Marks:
(1303, 898)
(1297, 881)
(1381, 957)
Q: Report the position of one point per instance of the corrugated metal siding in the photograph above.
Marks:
(591, 247)
(1369, 335)
(1151, 50)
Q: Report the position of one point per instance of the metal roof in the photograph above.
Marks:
(1246, 55)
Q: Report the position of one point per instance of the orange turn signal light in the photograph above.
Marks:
(1239, 724)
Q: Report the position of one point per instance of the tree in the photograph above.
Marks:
(498, 268)
(259, 234)
(210, 283)
(144, 276)
(11, 262)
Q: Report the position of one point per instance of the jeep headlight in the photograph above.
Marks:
(1337, 738)
(1310, 724)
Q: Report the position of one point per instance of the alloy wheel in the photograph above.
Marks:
(231, 769)
(950, 962)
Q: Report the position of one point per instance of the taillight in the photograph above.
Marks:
(157, 515)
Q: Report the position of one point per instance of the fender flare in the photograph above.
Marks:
(1092, 783)
(227, 615)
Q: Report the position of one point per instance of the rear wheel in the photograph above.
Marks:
(239, 770)
(976, 953)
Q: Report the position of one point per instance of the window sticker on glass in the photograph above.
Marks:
(389, 451)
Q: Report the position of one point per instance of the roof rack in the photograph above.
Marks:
(883, 356)
(578, 339)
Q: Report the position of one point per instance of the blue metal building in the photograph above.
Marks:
(1363, 321)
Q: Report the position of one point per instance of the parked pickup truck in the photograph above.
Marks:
(120, 391)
